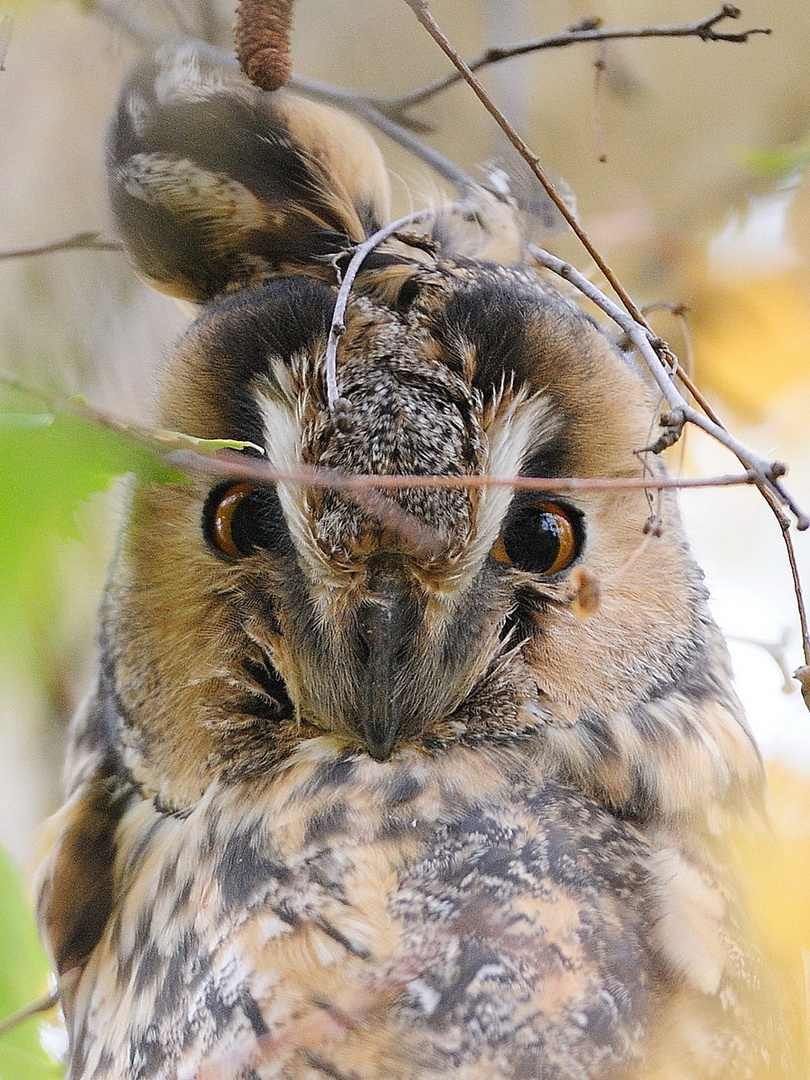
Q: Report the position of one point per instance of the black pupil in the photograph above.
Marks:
(257, 521)
(532, 539)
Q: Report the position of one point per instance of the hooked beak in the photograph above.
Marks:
(386, 629)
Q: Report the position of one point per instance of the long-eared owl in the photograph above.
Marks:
(373, 785)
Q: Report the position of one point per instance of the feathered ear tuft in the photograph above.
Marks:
(216, 185)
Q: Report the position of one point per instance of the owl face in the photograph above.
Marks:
(278, 612)
(245, 618)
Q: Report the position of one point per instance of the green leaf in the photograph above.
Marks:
(206, 447)
(780, 162)
(49, 463)
(23, 979)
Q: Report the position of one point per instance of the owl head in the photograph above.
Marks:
(251, 617)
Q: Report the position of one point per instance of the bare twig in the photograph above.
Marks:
(370, 114)
(244, 467)
(652, 349)
(704, 29)
(777, 650)
(797, 588)
(179, 16)
(367, 491)
(208, 20)
(636, 326)
(679, 311)
(80, 241)
(337, 327)
(225, 462)
(34, 1008)
(423, 14)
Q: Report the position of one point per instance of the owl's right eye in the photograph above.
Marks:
(241, 518)
(540, 537)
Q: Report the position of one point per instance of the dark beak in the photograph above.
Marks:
(386, 628)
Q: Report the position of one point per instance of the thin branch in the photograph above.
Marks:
(368, 112)
(208, 20)
(641, 330)
(158, 440)
(34, 1008)
(179, 17)
(651, 349)
(337, 327)
(424, 16)
(122, 16)
(777, 650)
(83, 241)
(226, 462)
(797, 588)
(704, 29)
(244, 467)
(367, 491)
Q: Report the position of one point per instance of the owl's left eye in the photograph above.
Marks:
(540, 538)
(241, 517)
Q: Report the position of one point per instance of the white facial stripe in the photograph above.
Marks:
(283, 449)
(517, 432)
(282, 429)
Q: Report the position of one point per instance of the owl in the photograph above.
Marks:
(437, 780)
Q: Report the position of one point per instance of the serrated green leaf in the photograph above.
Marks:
(23, 979)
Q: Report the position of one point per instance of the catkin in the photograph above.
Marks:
(262, 35)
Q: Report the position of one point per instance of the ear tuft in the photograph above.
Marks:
(216, 185)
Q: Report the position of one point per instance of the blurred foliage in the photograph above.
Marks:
(23, 979)
(778, 879)
(781, 161)
(741, 324)
(49, 463)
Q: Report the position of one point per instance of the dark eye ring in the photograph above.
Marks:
(539, 538)
(240, 518)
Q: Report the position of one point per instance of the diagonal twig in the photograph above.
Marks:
(704, 29)
(125, 19)
(651, 348)
(423, 14)
(34, 1008)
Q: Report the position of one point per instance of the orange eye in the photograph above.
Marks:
(241, 518)
(539, 538)
(224, 532)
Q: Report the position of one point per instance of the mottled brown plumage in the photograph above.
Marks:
(345, 807)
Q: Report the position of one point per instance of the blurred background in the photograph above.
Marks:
(687, 161)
